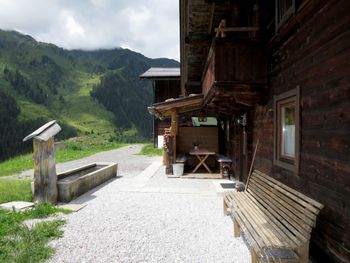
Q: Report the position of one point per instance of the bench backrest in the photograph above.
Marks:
(295, 211)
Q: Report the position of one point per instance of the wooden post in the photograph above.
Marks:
(255, 258)
(236, 228)
(174, 128)
(225, 207)
(45, 178)
(303, 253)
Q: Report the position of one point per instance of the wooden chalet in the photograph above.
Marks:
(166, 84)
(277, 72)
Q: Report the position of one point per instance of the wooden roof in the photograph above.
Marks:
(161, 73)
(45, 132)
(179, 105)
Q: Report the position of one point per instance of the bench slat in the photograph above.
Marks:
(293, 229)
(285, 211)
(280, 228)
(222, 158)
(292, 191)
(259, 222)
(296, 209)
(276, 238)
(292, 196)
(298, 206)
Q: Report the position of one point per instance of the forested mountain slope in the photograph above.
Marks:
(87, 92)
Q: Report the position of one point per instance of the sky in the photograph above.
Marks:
(150, 27)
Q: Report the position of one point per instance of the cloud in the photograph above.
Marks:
(150, 27)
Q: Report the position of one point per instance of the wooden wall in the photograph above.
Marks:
(207, 137)
(316, 57)
(165, 89)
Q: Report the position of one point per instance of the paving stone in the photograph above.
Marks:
(16, 205)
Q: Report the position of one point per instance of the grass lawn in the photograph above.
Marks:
(149, 150)
(14, 190)
(21, 244)
(75, 149)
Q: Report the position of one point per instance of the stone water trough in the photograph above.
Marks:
(48, 186)
(75, 182)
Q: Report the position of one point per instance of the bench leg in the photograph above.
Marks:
(303, 253)
(255, 258)
(236, 228)
(225, 208)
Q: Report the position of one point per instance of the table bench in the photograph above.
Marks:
(224, 162)
(276, 220)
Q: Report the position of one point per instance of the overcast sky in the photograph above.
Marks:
(150, 27)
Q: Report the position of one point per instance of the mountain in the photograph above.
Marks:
(87, 92)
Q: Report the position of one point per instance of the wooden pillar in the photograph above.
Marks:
(45, 177)
(174, 128)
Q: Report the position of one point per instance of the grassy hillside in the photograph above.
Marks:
(47, 82)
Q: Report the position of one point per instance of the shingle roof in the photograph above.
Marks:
(161, 73)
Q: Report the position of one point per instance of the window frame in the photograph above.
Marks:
(291, 97)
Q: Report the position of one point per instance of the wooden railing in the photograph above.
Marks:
(234, 62)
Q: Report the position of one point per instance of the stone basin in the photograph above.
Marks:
(75, 182)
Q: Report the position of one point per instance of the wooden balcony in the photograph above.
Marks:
(235, 75)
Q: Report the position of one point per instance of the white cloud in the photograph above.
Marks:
(147, 26)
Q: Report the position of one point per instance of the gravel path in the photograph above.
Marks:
(149, 218)
(129, 164)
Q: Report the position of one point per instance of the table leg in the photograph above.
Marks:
(202, 162)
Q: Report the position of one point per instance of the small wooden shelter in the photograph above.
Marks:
(45, 177)
(166, 84)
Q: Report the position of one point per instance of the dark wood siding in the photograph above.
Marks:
(165, 89)
(316, 57)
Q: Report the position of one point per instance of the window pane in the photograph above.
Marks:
(288, 131)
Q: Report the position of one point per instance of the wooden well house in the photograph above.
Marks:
(165, 84)
(276, 72)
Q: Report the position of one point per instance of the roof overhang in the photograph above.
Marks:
(179, 105)
(161, 74)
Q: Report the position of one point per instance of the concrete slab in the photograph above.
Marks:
(151, 190)
(16, 205)
(72, 207)
(141, 179)
(219, 189)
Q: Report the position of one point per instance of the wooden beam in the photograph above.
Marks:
(212, 11)
(174, 128)
(222, 29)
(219, 31)
(45, 178)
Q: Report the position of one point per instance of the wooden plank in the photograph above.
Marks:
(292, 195)
(296, 208)
(283, 220)
(292, 191)
(295, 211)
(279, 227)
(252, 214)
(45, 179)
(265, 229)
(237, 29)
(206, 137)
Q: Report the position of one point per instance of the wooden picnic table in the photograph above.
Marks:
(202, 155)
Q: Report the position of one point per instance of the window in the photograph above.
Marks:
(208, 121)
(286, 124)
(284, 9)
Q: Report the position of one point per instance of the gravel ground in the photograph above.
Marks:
(136, 226)
(129, 164)
(146, 217)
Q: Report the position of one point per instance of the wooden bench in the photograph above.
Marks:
(224, 162)
(275, 219)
